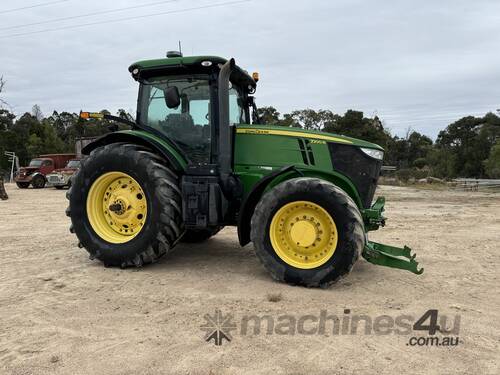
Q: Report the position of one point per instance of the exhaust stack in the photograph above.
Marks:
(225, 154)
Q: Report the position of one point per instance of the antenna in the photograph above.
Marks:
(178, 53)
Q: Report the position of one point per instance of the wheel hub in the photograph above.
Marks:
(303, 234)
(116, 207)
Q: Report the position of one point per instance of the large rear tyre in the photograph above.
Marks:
(125, 206)
(199, 235)
(23, 185)
(308, 232)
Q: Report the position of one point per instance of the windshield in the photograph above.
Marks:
(36, 163)
(73, 164)
(188, 124)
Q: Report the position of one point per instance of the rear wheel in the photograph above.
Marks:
(307, 231)
(59, 187)
(38, 182)
(23, 185)
(125, 206)
(199, 235)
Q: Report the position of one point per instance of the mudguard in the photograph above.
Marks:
(168, 151)
(251, 200)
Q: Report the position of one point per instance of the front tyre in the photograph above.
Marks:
(307, 231)
(38, 182)
(124, 206)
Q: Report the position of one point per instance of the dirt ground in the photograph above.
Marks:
(62, 313)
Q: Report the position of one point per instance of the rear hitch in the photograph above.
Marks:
(390, 256)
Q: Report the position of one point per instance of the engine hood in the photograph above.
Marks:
(301, 133)
(29, 169)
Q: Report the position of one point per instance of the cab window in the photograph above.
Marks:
(188, 124)
(236, 110)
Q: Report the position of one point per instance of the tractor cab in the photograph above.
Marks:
(194, 104)
(179, 100)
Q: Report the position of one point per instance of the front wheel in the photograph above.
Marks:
(125, 206)
(23, 185)
(38, 182)
(308, 232)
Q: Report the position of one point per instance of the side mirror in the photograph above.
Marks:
(172, 97)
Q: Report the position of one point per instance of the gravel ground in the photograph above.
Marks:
(62, 313)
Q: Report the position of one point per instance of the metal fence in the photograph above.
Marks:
(475, 184)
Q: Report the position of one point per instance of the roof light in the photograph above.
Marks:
(255, 76)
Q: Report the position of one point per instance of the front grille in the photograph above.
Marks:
(55, 179)
(359, 167)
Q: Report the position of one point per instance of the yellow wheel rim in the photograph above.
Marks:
(303, 234)
(116, 207)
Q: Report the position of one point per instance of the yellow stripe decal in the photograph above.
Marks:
(292, 134)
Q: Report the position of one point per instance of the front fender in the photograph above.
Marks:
(251, 200)
(335, 178)
(32, 176)
(277, 177)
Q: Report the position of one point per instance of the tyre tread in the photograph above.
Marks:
(166, 189)
(355, 234)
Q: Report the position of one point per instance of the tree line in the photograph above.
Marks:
(469, 147)
(33, 134)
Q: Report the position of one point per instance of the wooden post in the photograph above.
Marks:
(3, 193)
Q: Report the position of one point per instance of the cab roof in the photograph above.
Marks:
(188, 65)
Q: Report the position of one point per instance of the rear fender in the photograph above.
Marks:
(176, 160)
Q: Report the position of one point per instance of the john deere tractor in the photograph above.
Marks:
(197, 159)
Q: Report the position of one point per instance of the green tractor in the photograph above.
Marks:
(197, 159)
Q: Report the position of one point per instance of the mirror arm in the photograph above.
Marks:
(255, 115)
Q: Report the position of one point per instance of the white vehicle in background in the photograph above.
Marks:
(60, 178)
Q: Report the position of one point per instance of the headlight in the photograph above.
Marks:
(376, 154)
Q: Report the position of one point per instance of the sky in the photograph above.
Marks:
(418, 65)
